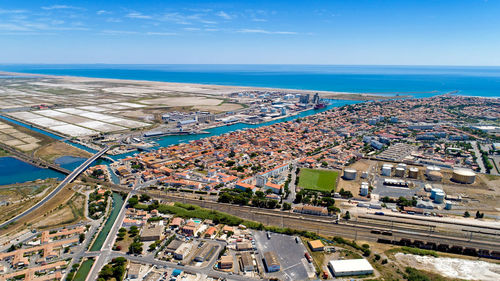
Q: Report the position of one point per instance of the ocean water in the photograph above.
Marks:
(420, 81)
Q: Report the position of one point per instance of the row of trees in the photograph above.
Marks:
(316, 198)
(247, 197)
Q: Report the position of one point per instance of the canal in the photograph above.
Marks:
(70, 163)
(115, 211)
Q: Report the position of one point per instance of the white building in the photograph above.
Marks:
(350, 267)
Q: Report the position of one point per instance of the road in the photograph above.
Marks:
(291, 186)
(478, 155)
(61, 185)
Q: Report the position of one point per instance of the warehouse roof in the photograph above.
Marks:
(354, 265)
(316, 244)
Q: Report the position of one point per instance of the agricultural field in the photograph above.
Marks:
(320, 180)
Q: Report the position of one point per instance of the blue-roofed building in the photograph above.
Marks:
(176, 272)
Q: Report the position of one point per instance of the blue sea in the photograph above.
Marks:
(16, 171)
(419, 81)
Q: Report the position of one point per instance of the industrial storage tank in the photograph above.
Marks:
(463, 176)
(400, 172)
(386, 170)
(435, 176)
(350, 174)
(402, 165)
(413, 173)
(430, 169)
(448, 205)
(364, 189)
(434, 191)
(439, 197)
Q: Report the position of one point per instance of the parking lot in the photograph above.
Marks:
(294, 266)
(394, 191)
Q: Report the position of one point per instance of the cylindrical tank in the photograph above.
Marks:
(350, 174)
(400, 172)
(439, 197)
(386, 170)
(413, 173)
(434, 191)
(448, 205)
(364, 190)
(463, 176)
(430, 169)
(435, 176)
(402, 165)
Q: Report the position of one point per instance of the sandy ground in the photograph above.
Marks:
(183, 101)
(219, 108)
(57, 149)
(451, 267)
(142, 87)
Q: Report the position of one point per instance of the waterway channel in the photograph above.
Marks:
(22, 172)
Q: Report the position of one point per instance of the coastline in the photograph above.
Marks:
(214, 87)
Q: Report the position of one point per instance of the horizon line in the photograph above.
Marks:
(254, 64)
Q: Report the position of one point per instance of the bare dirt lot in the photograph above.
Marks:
(183, 101)
(57, 149)
(58, 210)
(452, 267)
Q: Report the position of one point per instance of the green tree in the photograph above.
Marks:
(135, 247)
(466, 214)
(133, 231)
(347, 216)
(287, 206)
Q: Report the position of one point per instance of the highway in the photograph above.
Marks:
(71, 177)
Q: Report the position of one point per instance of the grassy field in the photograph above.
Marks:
(320, 180)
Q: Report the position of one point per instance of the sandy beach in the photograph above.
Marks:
(145, 87)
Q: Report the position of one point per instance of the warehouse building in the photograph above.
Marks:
(204, 253)
(316, 245)
(350, 267)
(152, 232)
(226, 262)
(244, 246)
(173, 246)
(271, 261)
(182, 251)
(246, 262)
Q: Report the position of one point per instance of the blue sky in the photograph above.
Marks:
(455, 32)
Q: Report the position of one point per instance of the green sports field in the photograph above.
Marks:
(320, 180)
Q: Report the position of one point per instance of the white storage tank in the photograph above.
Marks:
(402, 165)
(364, 190)
(448, 205)
(350, 174)
(386, 170)
(439, 197)
(413, 173)
(463, 176)
(400, 172)
(430, 169)
(434, 191)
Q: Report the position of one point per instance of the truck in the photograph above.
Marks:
(308, 257)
